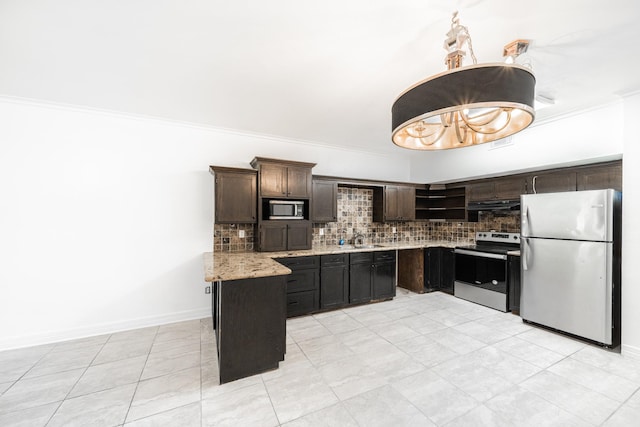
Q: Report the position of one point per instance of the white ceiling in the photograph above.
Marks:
(324, 71)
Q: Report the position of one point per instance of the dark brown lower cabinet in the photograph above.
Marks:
(513, 268)
(372, 276)
(384, 275)
(432, 269)
(447, 270)
(303, 284)
(250, 325)
(360, 265)
(334, 280)
(439, 269)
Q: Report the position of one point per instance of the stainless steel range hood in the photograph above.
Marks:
(494, 205)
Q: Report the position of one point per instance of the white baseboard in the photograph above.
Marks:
(101, 329)
(630, 351)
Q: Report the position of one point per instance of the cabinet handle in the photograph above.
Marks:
(534, 184)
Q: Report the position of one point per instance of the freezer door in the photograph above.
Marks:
(567, 285)
(575, 215)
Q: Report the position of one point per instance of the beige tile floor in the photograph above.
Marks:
(419, 360)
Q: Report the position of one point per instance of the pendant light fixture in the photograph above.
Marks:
(465, 105)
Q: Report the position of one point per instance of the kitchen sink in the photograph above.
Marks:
(359, 246)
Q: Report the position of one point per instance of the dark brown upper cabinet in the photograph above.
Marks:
(324, 201)
(552, 182)
(504, 188)
(394, 203)
(283, 179)
(284, 236)
(235, 195)
(600, 177)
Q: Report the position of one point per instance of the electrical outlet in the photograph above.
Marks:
(207, 290)
(225, 240)
(241, 234)
(322, 231)
(393, 229)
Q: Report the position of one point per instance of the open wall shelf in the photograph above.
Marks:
(441, 204)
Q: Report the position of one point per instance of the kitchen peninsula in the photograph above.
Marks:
(249, 302)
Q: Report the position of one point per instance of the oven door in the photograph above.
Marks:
(481, 277)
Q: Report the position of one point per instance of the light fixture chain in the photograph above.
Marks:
(470, 44)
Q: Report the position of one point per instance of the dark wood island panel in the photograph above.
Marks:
(249, 318)
(411, 269)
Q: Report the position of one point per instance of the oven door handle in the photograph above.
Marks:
(479, 254)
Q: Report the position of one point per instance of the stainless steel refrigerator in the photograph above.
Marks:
(570, 261)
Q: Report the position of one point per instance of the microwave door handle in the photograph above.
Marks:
(525, 253)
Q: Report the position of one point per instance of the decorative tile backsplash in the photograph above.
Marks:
(226, 237)
(355, 216)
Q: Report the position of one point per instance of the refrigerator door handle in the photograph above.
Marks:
(525, 222)
(525, 253)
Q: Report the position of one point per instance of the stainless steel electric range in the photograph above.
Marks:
(481, 269)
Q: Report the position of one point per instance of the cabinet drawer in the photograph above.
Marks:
(300, 262)
(303, 280)
(361, 258)
(384, 256)
(302, 303)
(334, 259)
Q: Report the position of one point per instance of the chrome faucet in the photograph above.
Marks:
(358, 239)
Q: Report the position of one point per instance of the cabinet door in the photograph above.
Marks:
(407, 203)
(235, 197)
(432, 267)
(600, 177)
(391, 208)
(509, 188)
(273, 237)
(273, 181)
(481, 191)
(334, 286)
(324, 201)
(384, 280)
(447, 270)
(360, 283)
(298, 182)
(552, 182)
(299, 235)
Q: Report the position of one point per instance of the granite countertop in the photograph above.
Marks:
(246, 265)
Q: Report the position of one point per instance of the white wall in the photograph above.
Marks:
(631, 231)
(104, 217)
(581, 138)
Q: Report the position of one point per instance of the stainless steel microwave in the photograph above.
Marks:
(286, 209)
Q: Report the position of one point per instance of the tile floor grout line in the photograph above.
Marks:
(133, 395)
(77, 381)
(264, 384)
(29, 370)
